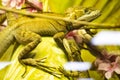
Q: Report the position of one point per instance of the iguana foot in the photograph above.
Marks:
(40, 64)
(75, 74)
(68, 73)
(31, 61)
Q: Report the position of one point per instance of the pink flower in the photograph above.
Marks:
(2, 12)
(75, 35)
(36, 4)
(108, 64)
(32, 5)
(13, 3)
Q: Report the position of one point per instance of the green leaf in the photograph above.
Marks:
(47, 48)
(59, 6)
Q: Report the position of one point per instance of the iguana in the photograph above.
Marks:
(24, 32)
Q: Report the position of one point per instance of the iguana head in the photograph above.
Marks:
(82, 13)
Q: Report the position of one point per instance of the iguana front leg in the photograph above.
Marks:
(72, 52)
(59, 40)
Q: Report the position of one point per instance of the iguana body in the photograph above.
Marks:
(18, 30)
(29, 32)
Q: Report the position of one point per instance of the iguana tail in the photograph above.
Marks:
(6, 38)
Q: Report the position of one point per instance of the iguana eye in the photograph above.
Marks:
(87, 11)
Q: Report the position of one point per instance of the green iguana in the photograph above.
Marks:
(24, 32)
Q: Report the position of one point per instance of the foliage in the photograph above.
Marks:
(110, 10)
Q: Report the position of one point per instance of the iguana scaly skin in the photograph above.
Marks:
(25, 33)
